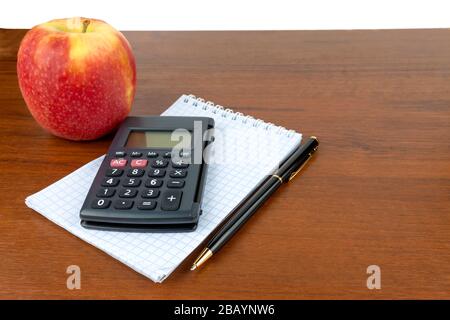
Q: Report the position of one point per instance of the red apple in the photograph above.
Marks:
(77, 76)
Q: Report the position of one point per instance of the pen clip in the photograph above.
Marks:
(293, 174)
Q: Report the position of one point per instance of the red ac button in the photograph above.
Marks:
(138, 163)
(118, 163)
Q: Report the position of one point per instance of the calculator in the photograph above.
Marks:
(152, 178)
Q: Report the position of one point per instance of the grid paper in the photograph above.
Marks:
(156, 255)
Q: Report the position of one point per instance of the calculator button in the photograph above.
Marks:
(178, 173)
(120, 154)
(146, 205)
(110, 182)
(138, 163)
(105, 192)
(128, 193)
(167, 154)
(153, 183)
(150, 193)
(101, 203)
(123, 204)
(185, 154)
(152, 154)
(171, 200)
(135, 173)
(156, 173)
(118, 163)
(114, 172)
(159, 163)
(136, 154)
(131, 182)
(180, 164)
(175, 184)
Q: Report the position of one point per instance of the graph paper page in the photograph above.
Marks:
(252, 149)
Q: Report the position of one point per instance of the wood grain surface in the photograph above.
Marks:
(376, 192)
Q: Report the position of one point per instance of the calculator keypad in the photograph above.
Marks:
(144, 181)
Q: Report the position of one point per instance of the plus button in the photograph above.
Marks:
(171, 200)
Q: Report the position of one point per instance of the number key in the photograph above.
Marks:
(127, 193)
(131, 182)
(105, 192)
(110, 182)
(101, 203)
(153, 183)
(114, 172)
(150, 193)
(156, 173)
(135, 172)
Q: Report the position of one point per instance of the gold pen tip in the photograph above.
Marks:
(194, 266)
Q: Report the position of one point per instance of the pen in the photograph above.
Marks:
(287, 171)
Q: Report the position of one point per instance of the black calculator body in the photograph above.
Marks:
(152, 178)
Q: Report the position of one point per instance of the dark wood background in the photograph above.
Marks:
(377, 192)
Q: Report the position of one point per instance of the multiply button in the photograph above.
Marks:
(178, 173)
(171, 200)
(138, 163)
(118, 163)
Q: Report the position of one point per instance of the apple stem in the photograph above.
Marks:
(85, 25)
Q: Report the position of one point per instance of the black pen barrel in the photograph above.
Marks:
(286, 171)
(243, 214)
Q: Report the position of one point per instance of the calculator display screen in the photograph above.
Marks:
(159, 139)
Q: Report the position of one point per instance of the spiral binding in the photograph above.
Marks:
(238, 116)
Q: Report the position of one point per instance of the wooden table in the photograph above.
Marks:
(376, 193)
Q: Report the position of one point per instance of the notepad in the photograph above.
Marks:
(244, 152)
